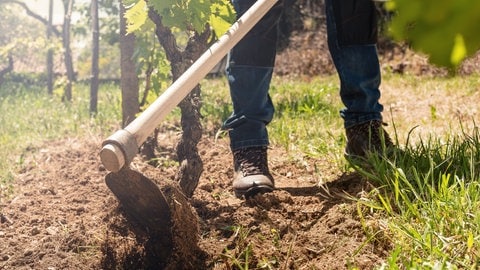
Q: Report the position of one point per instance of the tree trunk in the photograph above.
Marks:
(7, 69)
(68, 5)
(95, 56)
(191, 165)
(50, 50)
(148, 148)
(128, 78)
(130, 88)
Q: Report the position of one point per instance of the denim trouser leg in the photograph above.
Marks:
(356, 61)
(249, 75)
(252, 106)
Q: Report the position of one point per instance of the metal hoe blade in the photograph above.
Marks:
(141, 198)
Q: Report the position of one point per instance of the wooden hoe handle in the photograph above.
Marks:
(120, 148)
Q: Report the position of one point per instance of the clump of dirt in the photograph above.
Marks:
(164, 224)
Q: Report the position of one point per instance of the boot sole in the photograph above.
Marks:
(250, 192)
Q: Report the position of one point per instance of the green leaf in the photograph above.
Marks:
(136, 16)
(162, 6)
(175, 17)
(446, 30)
(199, 11)
(221, 17)
(459, 51)
(194, 15)
(470, 241)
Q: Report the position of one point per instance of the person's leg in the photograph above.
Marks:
(249, 74)
(352, 36)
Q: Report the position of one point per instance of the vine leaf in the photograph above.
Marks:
(136, 16)
(185, 15)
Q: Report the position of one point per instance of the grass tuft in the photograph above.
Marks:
(429, 194)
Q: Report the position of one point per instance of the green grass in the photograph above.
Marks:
(429, 197)
(29, 116)
(426, 204)
(307, 118)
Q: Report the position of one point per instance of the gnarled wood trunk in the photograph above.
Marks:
(191, 165)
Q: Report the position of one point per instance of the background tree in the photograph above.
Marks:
(67, 51)
(50, 49)
(128, 79)
(95, 56)
(6, 69)
(108, 36)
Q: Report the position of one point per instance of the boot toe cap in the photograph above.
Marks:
(252, 184)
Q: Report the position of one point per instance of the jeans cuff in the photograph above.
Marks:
(360, 120)
(249, 143)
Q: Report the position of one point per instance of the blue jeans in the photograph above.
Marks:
(252, 60)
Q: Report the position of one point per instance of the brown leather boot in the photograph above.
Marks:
(367, 137)
(252, 175)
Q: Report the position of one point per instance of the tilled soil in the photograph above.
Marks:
(62, 216)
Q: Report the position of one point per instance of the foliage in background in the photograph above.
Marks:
(19, 37)
(446, 30)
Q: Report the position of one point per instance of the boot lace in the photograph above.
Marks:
(251, 161)
(369, 136)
